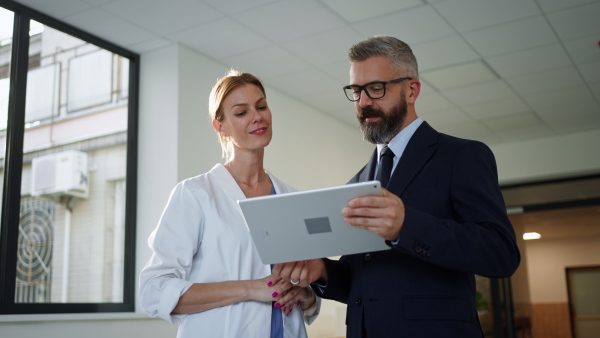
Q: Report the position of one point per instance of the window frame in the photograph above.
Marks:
(14, 164)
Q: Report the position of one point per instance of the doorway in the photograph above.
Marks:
(584, 301)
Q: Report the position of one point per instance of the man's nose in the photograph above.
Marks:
(364, 100)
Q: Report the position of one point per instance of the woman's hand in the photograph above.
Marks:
(296, 295)
(268, 289)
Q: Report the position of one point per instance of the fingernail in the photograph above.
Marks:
(298, 303)
(274, 294)
(269, 283)
(345, 211)
(277, 305)
(290, 312)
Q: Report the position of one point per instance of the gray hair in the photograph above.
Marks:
(398, 52)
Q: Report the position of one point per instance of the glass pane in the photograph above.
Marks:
(586, 289)
(6, 32)
(71, 231)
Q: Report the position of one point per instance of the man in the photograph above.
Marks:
(442, 214)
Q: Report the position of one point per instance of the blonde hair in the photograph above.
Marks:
(225, 85)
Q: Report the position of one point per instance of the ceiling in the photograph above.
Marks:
(495, 71)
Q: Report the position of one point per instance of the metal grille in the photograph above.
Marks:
(34, 259)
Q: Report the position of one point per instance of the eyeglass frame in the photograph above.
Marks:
(364, 88)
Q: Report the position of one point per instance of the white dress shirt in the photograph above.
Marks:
(202, 238)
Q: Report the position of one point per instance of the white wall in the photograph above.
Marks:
(547, 260)
(549, 158)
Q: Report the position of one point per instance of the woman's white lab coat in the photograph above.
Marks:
(202, 238)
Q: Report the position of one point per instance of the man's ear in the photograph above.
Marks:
(414, 91)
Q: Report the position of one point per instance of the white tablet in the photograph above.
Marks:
(308, 224)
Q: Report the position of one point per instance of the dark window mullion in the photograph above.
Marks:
(13, 160)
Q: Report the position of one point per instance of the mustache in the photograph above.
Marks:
(368, 112)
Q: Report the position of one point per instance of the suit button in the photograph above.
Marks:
(367, 257)
(419, 249)
(358, 302)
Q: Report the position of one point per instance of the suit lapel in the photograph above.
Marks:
(368, 172)
(418, 151)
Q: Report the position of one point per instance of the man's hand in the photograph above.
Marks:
(301, 273)
(382, 215)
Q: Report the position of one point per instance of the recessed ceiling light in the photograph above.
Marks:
(531, 235)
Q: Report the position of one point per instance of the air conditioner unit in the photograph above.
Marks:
(64, 173)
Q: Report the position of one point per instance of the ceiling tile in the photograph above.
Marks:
(339, 71)
(576, 22)
(289, 20)
(444, 118)
(595, 88)
(547, 80)
(492, 109)
(163, 17)
(432, 102)
(334, 103)
(267, 62)
(516, 121)
(408, 25)
(326, 47)
(548, 102)
(358, 10)
(576, 117)
(554, 5)
(489, 91)
(484, 13)
(530, 61)
(584, 49)
(105, 25)
(454, 50)
(231, 7)
(514, 36)
(460, 75)
(240, 39)
(525, 133)
(590, 71)
(426, 88)
(57, 8)
(464, 128)
(97, 2)
(149, 45)
(304, 84)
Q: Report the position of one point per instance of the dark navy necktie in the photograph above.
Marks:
(386, 162)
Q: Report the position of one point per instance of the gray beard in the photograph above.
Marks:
(389, 125)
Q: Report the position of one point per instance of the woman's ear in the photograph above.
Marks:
(218, 126)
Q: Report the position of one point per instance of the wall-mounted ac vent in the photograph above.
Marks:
(64, 173)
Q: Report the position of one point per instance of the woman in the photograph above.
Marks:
(205, 272)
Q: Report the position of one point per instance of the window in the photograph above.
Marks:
(68, 117)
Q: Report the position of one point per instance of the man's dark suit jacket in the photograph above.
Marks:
(455, 226)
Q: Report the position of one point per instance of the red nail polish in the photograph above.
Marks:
(277, 305)
(274, 294)
(269, 283)
(298, 303)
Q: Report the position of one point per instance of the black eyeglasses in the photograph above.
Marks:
(375, 90)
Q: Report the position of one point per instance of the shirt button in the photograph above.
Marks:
(358, 302)
(367, 257)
